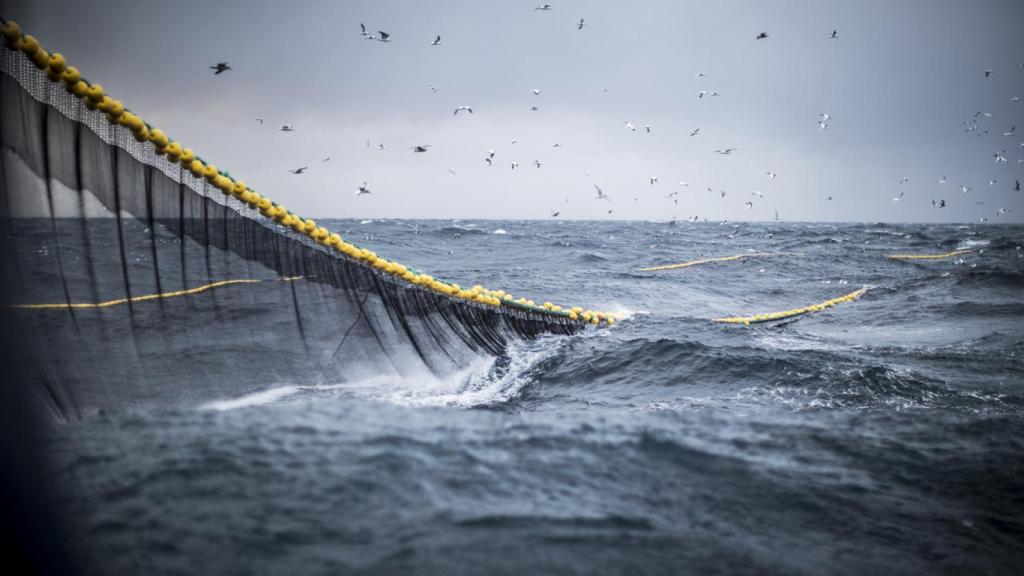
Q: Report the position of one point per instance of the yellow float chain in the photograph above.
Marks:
(927, 256)
(95, 98)
(698, 262)
(147, 297)
(748, 320)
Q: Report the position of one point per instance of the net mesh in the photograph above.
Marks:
(136, 283)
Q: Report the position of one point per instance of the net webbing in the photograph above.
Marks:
(202, 296)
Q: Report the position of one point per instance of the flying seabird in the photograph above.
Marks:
(287, 128)
(1002, 211)
(702, 93)
(726, 152)
(545, 7)
(328, 159)
(383, 36)
(654, 180)
(988, 72)
(220, 67)
(260, 120)
(757, 193)
(436, 41)
(761, 36)
(992, 182)
(461, 108)
(556, 145)
(536, 163)
(579, 25)
(897, 198)
(647, 128)
(771, 175)
(695, 132)
(939, 204)
(555, 213)
(630, 126)
(965, 189)
(364, 34)
(362, 190)
(420, 149)
(904, 179)
(941, 180)
(514, 164)
(601, 195)
(536, 91)
(1016, 185)
(834, 35)
(299, 170)
(748, 204)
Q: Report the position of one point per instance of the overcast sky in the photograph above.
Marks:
(899, 82)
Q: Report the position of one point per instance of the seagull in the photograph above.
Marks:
(452, 172)
(702, 93)
(555, 213)
(381, 147)
(287, 128)
(260, 120)
(534, 108)
(1015, 99)
(1002, 211)
(726, 152)
(904, 179)
(536, 91)
(761, 36)
(362, 190)
(700, 75)
(489, 161)
(822, 125)
(988, 72)
(299, 170)
(383, 36)
(965, 189)
(825, 116)
(992, 182)
(556, 145)
(723, 193)
(328, 159)
(432, 88)
(834, 35)
(363, 33)
(897, 198)
(939, 204)
(1016, 185)
(748, 204)
(220, 67)
(490, 153)
(757, 193)
(941, 180)
(514, 164)
(536, 163)
(654, 180)
(436, 41)
(420, 149)
(1011, 132)
(829, 198)
(982, 219)
(695, 132)
(545, 8)
(630, 126)
(771, 175)
(579, 26)
(672, 194)
(601, 195)
(461, 108)
(999, 156)
(647, 128)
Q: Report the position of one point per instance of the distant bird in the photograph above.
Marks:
(965, 189)
(545, 7)
(1016, 185)
(695, 132)
(939, 204)
(536, 91)
(630, 126)
(536, 163)
(701, 75)
(436, 41)
(362, 190)
(364, 34)
(761, 36)
(452, 172)
(982, 219)
(220, 67)
(299, 170)
(432, 88)
(555, 213)
(904, 180)
(287, 128)
(834, 35)
(988, 72)
(514, 164)
(672, 194)
(260, 120)
(748, 204)
(702, 93)
(653, 180)
(579, 25)
(461, 108)
(941, 180)
(723, 193)
(490, 153)
(771, 175)
(999, 156)
(1015, 99)
(383, 36)
(328, 159)
(829, 198)
(992, 182)
(647, 128)
(381, 147)
(897, 198)
(822, 125)
(825, 116)
(1002, 211)
(683, 184)
(420, 149)
(489, 161)
(726, 152)
(1012, 130)
(556, 145)
(534, 108)
(601, 195)
(757, 193)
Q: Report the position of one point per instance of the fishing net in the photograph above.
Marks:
(133, 282)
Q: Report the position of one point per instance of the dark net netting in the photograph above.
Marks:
(132, 282)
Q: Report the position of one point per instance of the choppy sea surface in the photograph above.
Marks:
(885, 435)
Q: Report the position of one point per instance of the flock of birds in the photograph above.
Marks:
(972, 126)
